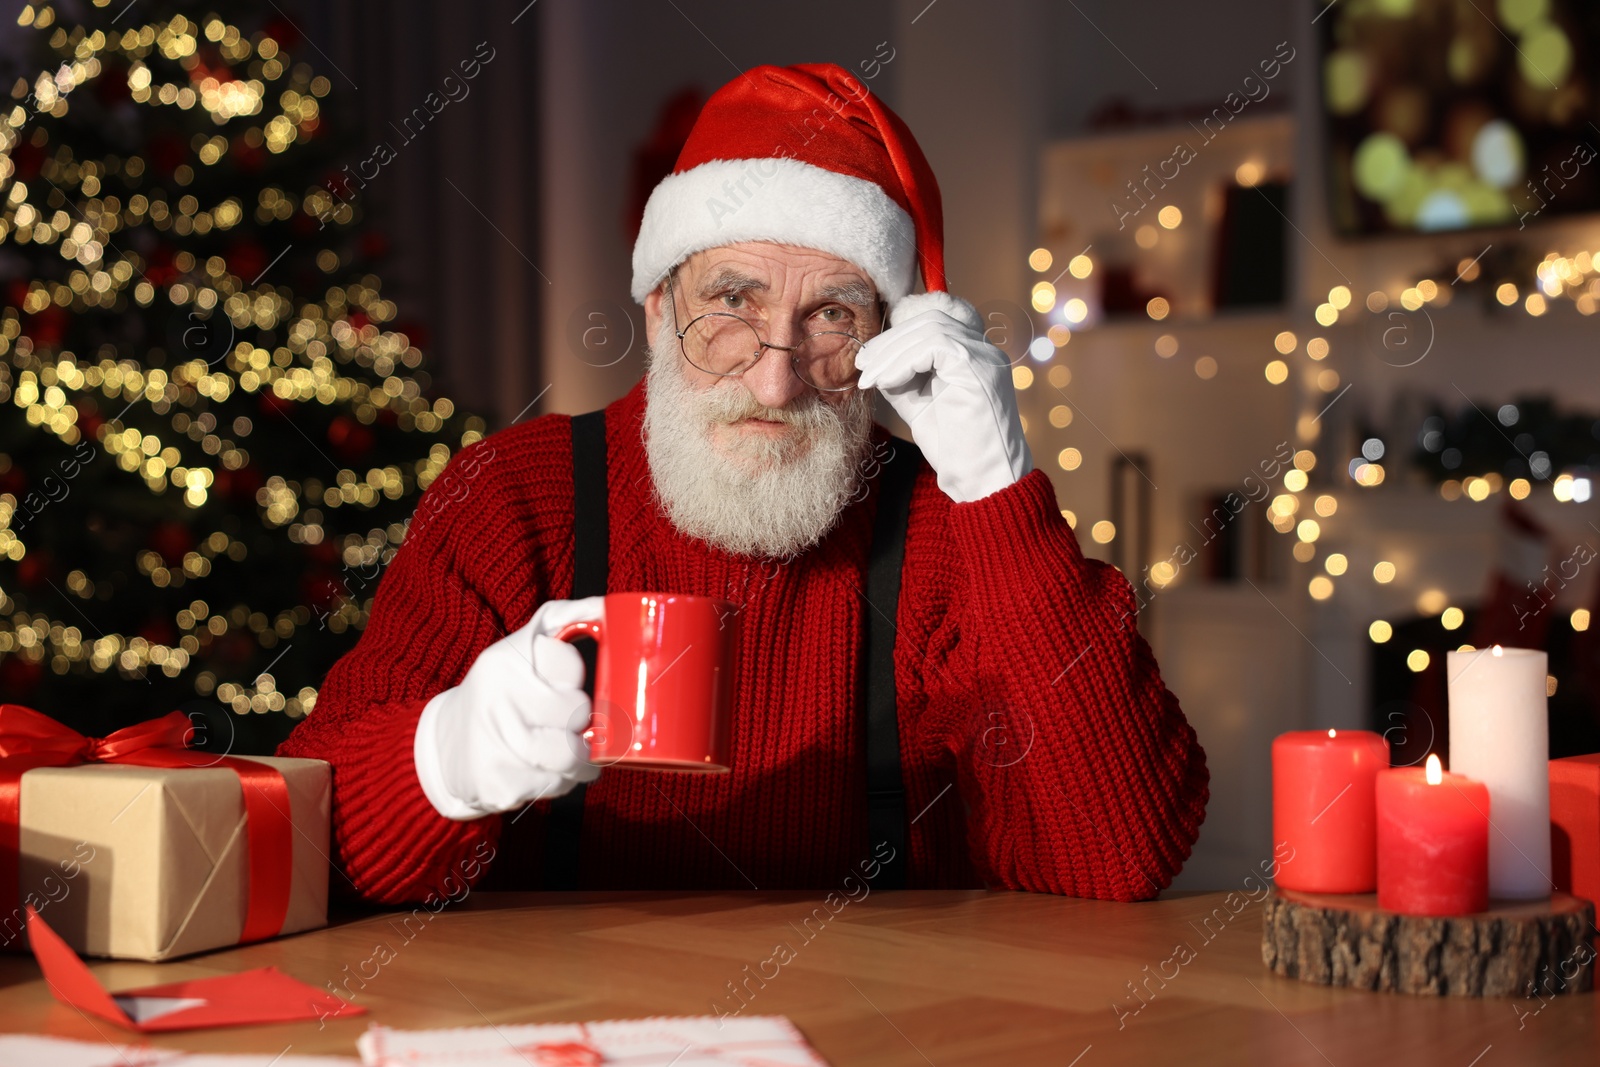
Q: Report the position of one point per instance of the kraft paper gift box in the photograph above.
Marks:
(150, 863)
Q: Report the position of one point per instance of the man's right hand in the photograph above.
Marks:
(512, 731)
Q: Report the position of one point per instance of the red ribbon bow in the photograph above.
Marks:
(29, 739)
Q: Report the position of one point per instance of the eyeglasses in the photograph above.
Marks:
(724, 344)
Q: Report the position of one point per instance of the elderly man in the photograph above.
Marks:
(934, 687)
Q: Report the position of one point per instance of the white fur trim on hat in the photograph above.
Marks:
(783, 200)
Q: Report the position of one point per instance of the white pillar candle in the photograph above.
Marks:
(1500, 736)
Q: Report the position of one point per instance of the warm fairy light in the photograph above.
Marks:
(1452, 618)
(1580, 619)
(1169, 217)
(1285, 342)
(1418, 660)
(1044, 296)
(1432, 602)
(1075, 310)
(1205, 367)
(1103, 532)
(1435, 771)
(1146, 237)
(1248, 174)
(1277, 372)
(1506, 294)
(1295, 480)
(1320, 587)
(1339, 297)
(1336, 564)
(1317, 348)
(1333, 733)
(1166, 346)
(1383, 572)
(1157, 308)
(1069, 459)
(1080, 266)
(1380, 632)
(1326, 505)
(1498, 651)
(1040, 259)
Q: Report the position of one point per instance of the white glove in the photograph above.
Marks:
(954, 391)
(512, 731)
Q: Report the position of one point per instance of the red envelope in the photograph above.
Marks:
(264, 995)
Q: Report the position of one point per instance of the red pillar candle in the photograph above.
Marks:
(1322, 809)
(1433, 842)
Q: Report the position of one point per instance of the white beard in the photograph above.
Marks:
(764, 496)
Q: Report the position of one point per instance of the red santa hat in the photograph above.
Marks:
(804, 156)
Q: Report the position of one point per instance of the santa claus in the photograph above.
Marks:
(934, 687)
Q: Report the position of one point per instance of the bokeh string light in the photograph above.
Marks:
(1573, 277)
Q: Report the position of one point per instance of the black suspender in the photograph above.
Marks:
(591, 529)
(886, 796)
(886, 806)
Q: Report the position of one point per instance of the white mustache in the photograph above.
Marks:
(729, 405)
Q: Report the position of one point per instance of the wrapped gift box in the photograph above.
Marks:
(1575, 825)
(150, 863)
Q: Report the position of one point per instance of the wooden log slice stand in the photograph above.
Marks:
(1515, 949)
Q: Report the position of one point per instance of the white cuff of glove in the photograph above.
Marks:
(954, 391)
(512, 731)
(425, 753)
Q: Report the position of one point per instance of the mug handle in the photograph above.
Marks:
(594, 628)
(582, 628)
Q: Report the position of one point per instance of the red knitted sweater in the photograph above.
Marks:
(1040, 749)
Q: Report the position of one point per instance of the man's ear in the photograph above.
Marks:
(652, 312)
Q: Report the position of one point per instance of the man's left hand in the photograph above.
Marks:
(954, 391)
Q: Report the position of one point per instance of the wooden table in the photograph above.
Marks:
(908, 978)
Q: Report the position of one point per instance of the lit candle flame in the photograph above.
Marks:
(1333, 733)
(1435, 771)
(1499, 651)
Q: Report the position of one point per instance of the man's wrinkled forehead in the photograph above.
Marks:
(719, 271)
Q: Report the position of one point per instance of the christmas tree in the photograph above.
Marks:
(213, 430)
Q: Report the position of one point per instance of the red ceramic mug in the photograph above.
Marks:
(663, 686)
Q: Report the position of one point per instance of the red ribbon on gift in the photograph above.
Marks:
(29, 740)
